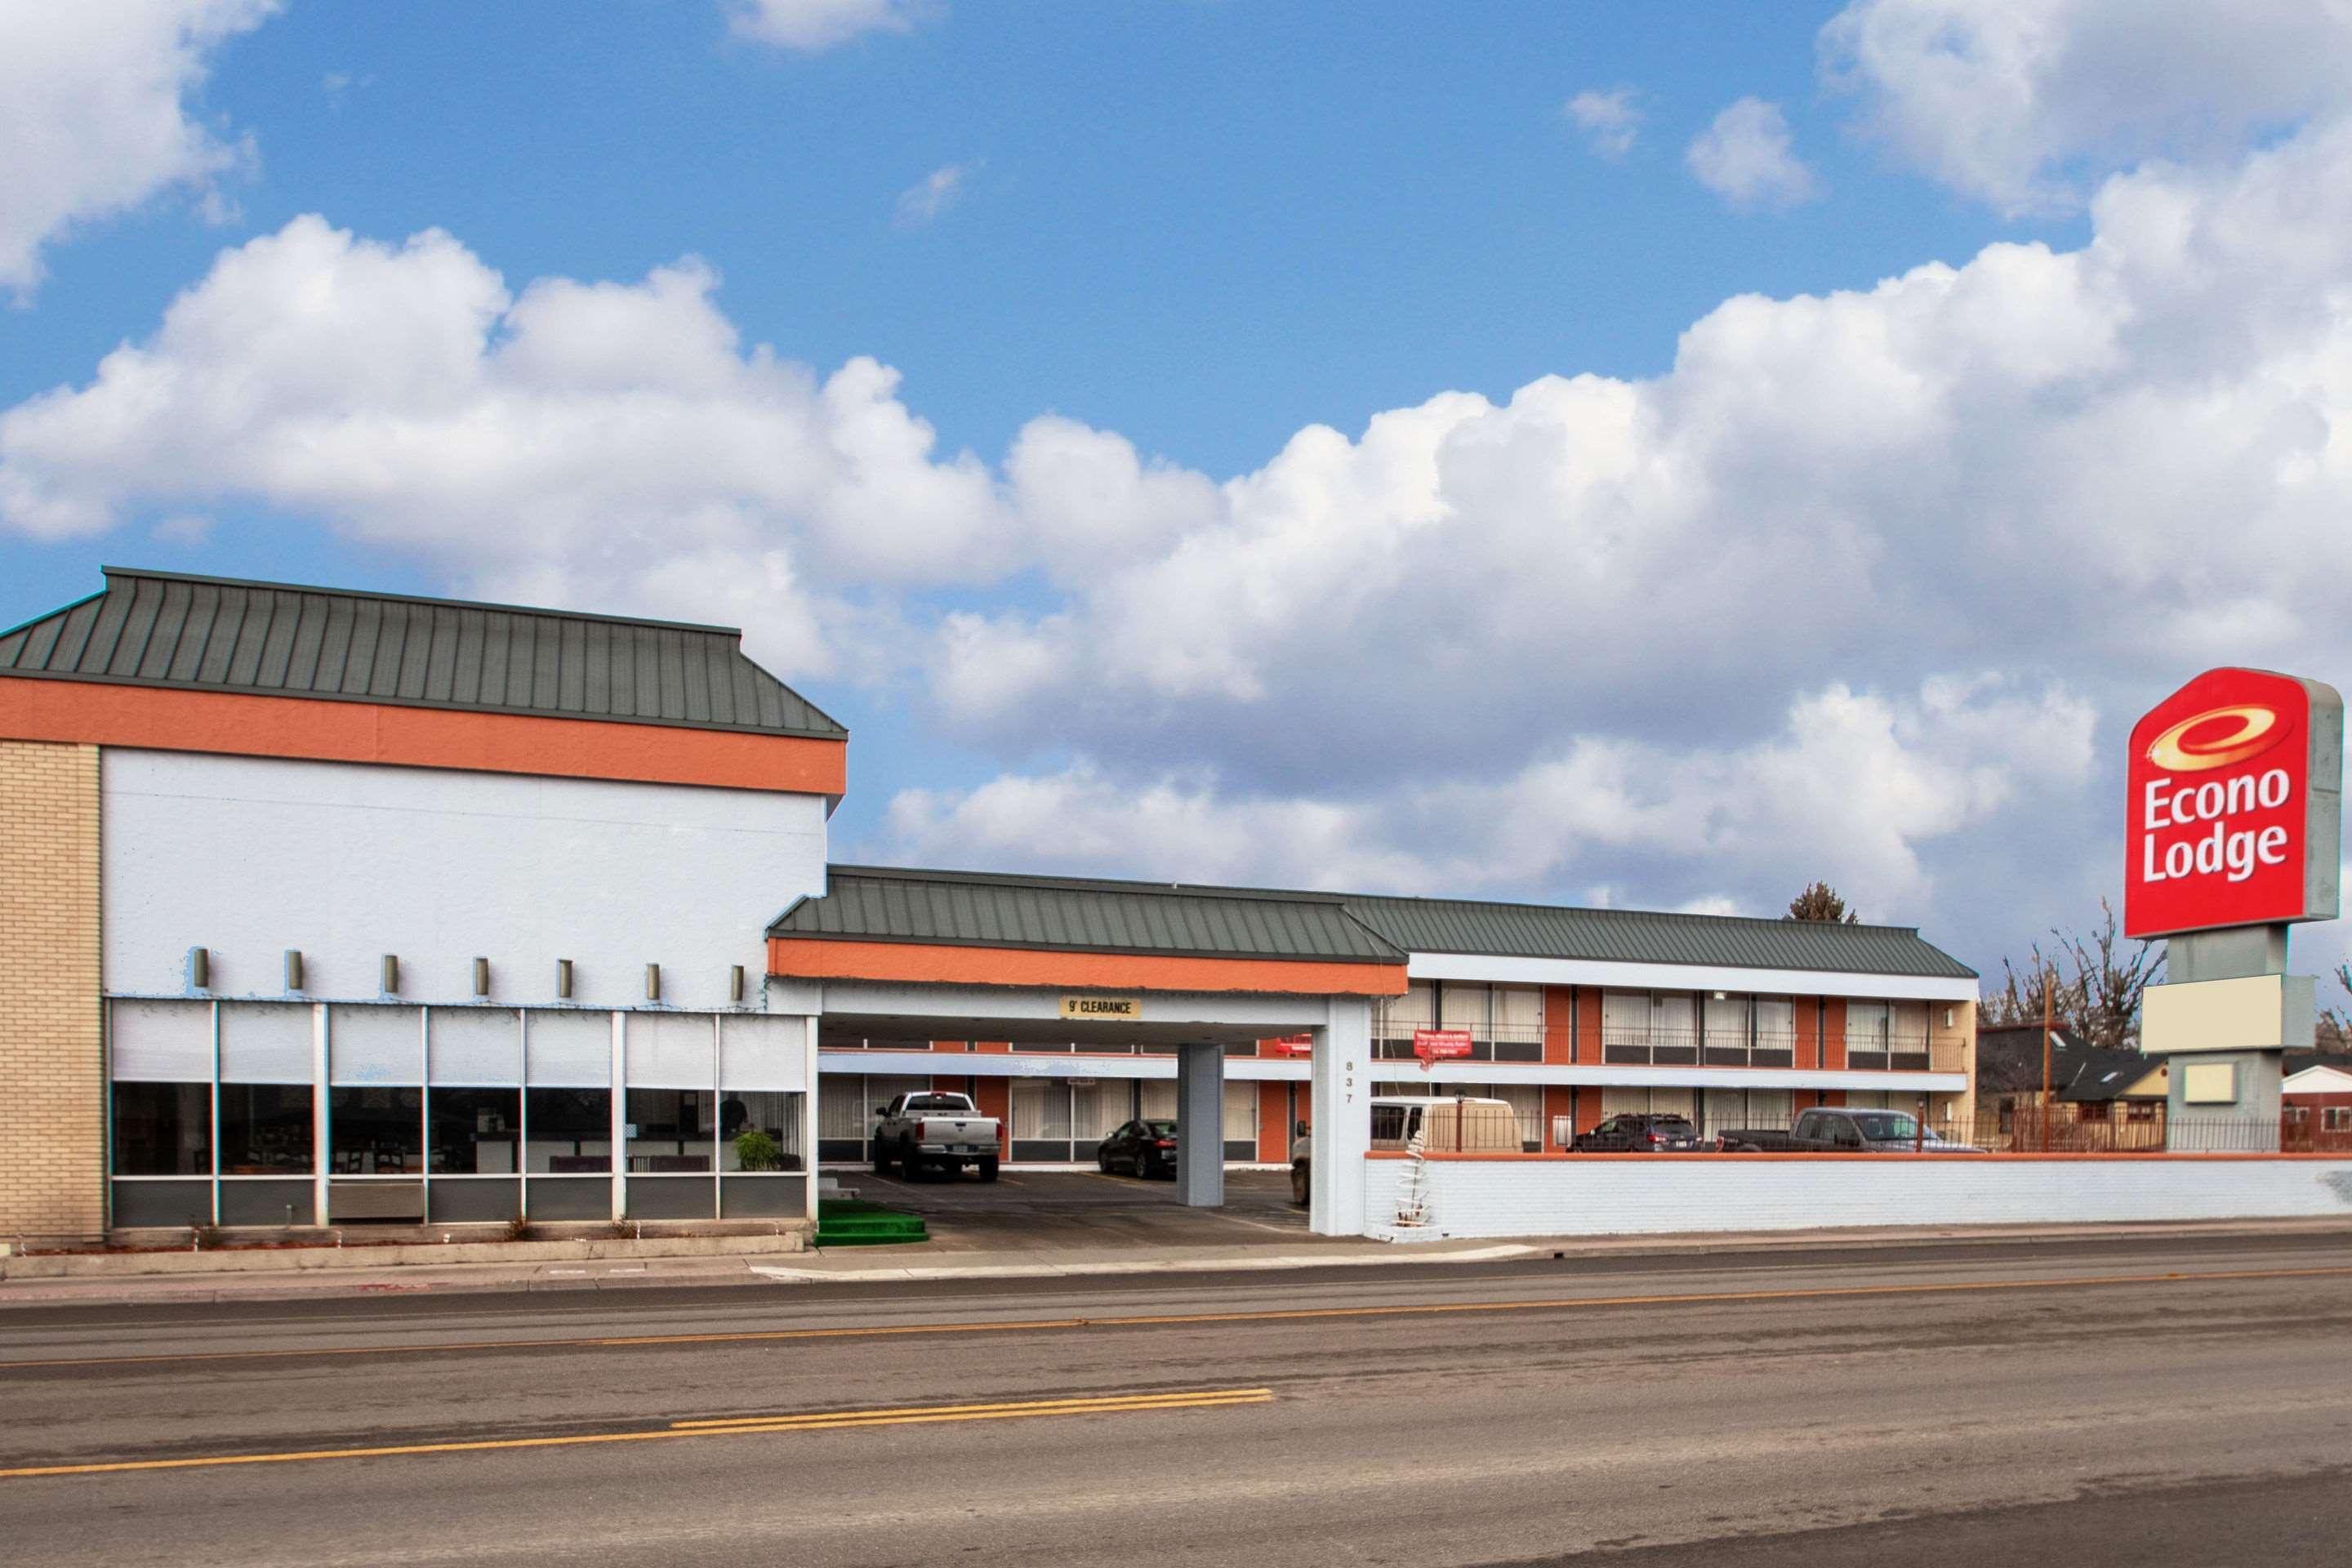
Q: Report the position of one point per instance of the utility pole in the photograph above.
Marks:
(2045, 1061)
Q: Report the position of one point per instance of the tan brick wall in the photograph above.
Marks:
(52, 1069)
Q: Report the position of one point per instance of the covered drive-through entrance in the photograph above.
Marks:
(1156, 971)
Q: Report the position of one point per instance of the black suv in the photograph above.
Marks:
(1639, 1132)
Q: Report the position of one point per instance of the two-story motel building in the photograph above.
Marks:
(333, 908)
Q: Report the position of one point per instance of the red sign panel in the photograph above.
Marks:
(1435, 1044)
(2235, 783)
(1294, 1046)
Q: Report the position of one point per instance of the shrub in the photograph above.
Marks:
(755, 1150)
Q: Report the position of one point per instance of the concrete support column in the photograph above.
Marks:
(1342, 1119)
(809, 1120)
(1201, 1126)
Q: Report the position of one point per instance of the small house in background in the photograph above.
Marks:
(2116, 1100)
(2316, 1103)
(2009, 1077)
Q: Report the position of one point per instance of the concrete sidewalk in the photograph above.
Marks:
(930, 1261)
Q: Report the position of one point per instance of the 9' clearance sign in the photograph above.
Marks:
(2235, 819)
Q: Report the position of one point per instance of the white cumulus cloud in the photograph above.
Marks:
(1610, 120)
(2019, 101)
(928, 197)
(812, 27)
(1748, 157)
(95, 116)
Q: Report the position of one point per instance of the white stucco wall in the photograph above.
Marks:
(249, 857)
(1566, 1196)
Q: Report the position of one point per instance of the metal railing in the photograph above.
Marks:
(1476, 1128)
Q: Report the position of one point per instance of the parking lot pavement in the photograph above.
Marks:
(1085, 1210)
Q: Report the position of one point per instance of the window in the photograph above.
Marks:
(2335, 1118)
(1465, 1004)
(377, 1132)
(669, 1130)
(265, 1129)
(571, 1132)
(163, 1130)
(1097, 1108)
(475, 1131)
(1728, 1020)
(1240, 1113)
(1776, 1024)
(775, 1112)
(1040, 1109)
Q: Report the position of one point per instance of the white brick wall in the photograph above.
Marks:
(1571, 1196)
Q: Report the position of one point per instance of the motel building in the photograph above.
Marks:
(334, 908)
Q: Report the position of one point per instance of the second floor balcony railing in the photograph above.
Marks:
(1634, 1045)
(1392, 1039)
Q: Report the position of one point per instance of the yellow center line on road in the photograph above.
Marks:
(1177, 1319)
(829, 1421)
(1070, 1403)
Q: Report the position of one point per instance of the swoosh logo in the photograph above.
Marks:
(2216, 739)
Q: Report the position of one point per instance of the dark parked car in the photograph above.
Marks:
(1146, 1148)
(1639, 1132)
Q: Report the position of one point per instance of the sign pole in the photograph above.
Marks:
(2046, 978)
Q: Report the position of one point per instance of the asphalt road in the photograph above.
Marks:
(2153, 1401)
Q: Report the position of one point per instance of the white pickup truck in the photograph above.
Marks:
(934, 1131)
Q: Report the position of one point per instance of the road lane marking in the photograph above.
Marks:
(839, 1420)
(1068, 1404)
(1177, 1319)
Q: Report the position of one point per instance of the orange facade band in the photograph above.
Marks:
(325, 730)
(936, 963)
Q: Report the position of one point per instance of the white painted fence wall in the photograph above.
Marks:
(1666, 1194)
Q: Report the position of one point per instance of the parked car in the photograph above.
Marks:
(1146, 1148)
(1831, 1131)
(1638, 1132)
(934, 1132)
(1454, 1124)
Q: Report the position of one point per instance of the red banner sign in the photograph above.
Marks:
(1294, 1046)
(2235, 811)
(1436, 1045)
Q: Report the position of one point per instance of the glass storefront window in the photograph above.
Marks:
(473, 1131)
(377, 1132)
(571, 1132)
(775, 1112)
(163, 1130)
(670, 1130)
(265, 1129)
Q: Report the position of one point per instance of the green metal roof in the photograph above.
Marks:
(218, 633)
(875, 903)
(974, 908)
(1642, 936)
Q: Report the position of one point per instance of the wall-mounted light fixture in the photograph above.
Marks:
(735, 984)
(391, 974)
(481, 977)
(1947, 1017)
(653, 982)
(200, 969)
(293, 969)
(564, 978)
(1721, 997)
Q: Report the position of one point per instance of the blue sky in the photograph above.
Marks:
(1197, 229)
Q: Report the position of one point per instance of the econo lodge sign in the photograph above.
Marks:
(2236, 786)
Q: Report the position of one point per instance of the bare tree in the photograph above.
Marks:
(2336, 1023)
(2095, 987)
(1819, 901)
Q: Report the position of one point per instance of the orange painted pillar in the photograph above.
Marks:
(1273, 1130)
(1588, 1026)
(995, 1097)
(1559, 1024)
(1559, 1099)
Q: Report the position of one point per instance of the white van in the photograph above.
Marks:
(1447, 1124)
